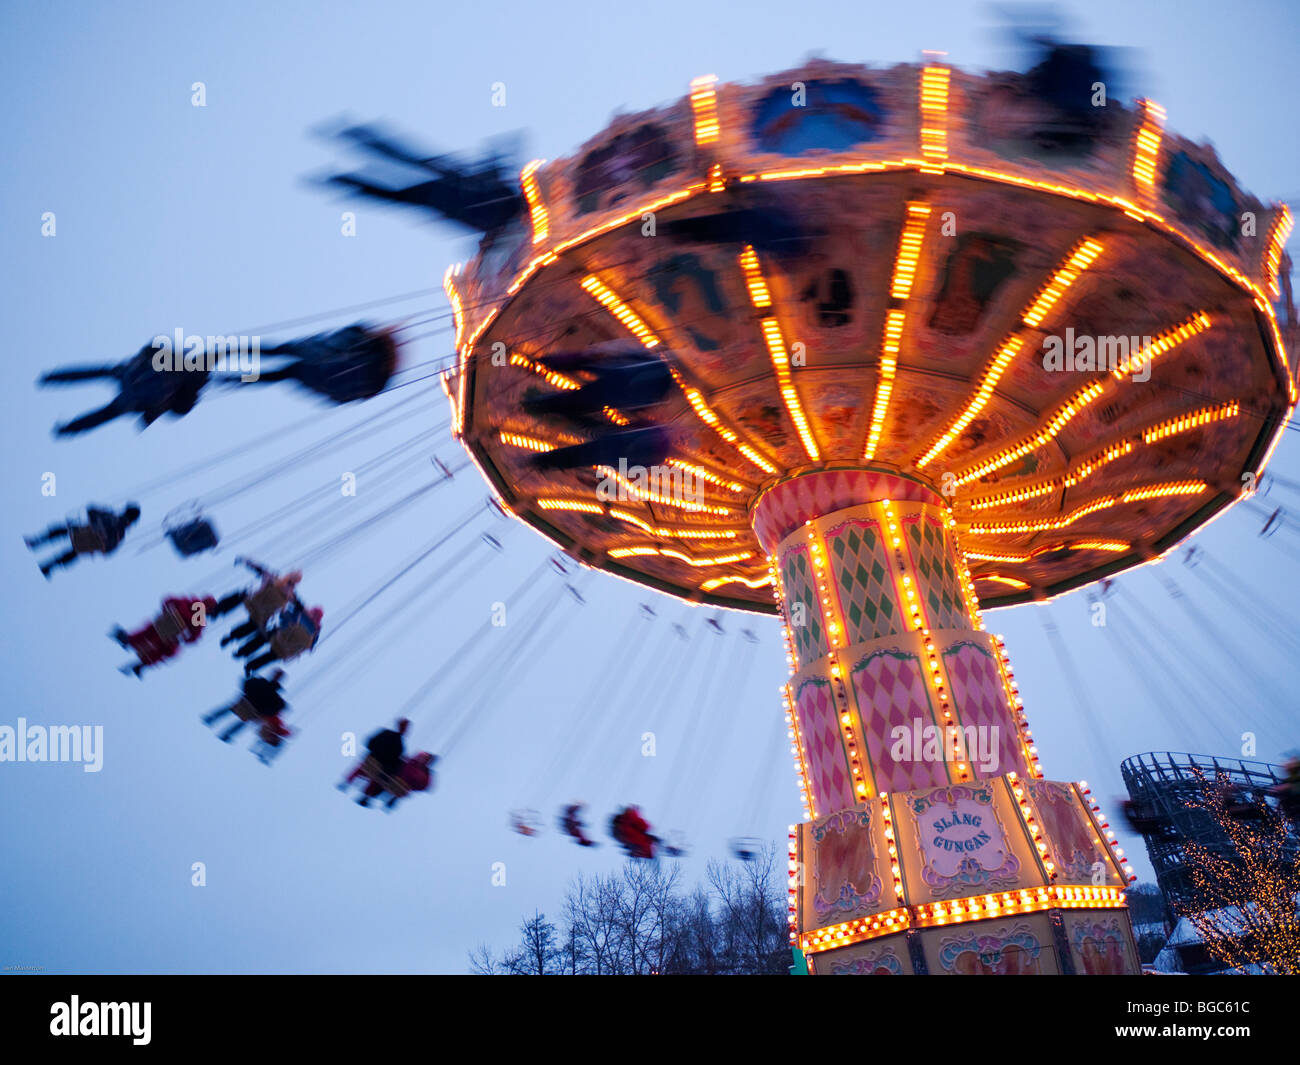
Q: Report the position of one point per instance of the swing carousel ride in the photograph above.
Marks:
(868, 350)
(939, 342)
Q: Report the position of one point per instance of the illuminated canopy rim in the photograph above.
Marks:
(912, 362)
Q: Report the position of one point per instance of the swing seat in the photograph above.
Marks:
(193, 537)
(86, 541)
(375, 773)
(263, 604)
(169, 626)
(526, 822)
(673, 845)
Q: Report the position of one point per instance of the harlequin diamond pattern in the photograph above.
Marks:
(862, 581)
(891, 692)
(979, 699)
(789, 505)
(800, 588)
(828, 773)
(937, 575)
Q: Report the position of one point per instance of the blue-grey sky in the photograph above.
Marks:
(174, 216)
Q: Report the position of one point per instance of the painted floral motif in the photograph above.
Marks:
(1099, 948)
(1016, 953)
(844, 867)
(881, 963)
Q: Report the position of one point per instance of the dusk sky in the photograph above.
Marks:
(202, 218)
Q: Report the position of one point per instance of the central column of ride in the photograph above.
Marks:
(933, 844)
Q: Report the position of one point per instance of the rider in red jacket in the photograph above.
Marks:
(183, 619)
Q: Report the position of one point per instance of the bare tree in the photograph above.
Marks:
(589, 909)
(750, 910)
(538, 954)
(639, 920)
(483, 963)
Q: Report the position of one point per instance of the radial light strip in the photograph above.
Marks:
(988, 556)
(680, 533)
(559, 380)
(1144, 358)
(1096, 461)
(655, 496)
(759, 295)
(1146, 146)
(988, 383)
(708, 475)
(909, 251)
(900, 287)
(1058, 421)
(1100, 545)
(1273, 256)
(704, 106)
(762, 300)
(934, 113)
(533, 194)
(1014, 582)
(1082, 257)
(1032, 491)
(528, 443)
(1133, 495)
(1192, 420)
(889, 348)
(1159, 491)
(605, 296)
(668, 552)
(706, 414)
(718, 582)
(1080, 545)
(1074, 476)
(578, 506)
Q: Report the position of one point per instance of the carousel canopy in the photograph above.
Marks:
(1069, 323)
